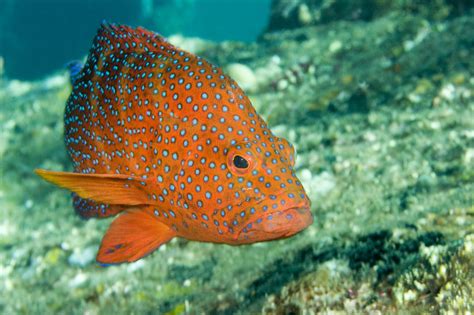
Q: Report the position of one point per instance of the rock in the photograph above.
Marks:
(304, 15)
(447, 92)
(266, 74)
(335, 46)
(298, 13)
(192, 44)
(78, 280)
(317, 185)
(244, 76)
(83, 257)
(323, 183)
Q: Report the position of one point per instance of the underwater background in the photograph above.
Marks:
(377, 97)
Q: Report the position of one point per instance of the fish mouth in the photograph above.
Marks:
(276, 225)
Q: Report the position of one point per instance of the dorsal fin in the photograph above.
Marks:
(112, 36)
(120, 40)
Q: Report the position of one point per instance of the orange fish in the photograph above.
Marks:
(173, 144)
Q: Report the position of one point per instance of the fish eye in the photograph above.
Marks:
(240, 162)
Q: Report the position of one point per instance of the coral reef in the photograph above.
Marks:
(299, 13)
(380, 274)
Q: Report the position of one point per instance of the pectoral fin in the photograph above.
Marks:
(104, 188)
(133, 235)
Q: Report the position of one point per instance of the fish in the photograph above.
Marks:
(74, 68)
(172, 146)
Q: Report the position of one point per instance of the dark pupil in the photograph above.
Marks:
(240, 162)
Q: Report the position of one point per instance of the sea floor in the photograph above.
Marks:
(382, 117)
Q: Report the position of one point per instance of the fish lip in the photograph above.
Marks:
(304, 206)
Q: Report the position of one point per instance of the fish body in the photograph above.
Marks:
(170, 142)
(75, 68)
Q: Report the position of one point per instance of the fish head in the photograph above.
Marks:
(245, 188)
(238, 176)
(232, 179)
(271, 202)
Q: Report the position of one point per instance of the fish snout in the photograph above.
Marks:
(276, 225)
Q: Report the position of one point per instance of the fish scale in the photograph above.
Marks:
(173, 144)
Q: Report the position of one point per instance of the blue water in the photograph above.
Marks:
(41, 36)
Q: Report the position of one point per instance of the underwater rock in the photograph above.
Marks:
(192, 44)
(267, 73)
(83, 257)
(244, 76)
(347, 75)
(425, 276)
(441, 281)
(317, 185)
(298, 13)
(78, 280)
(15, 88)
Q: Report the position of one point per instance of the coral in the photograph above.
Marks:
(441, 281)
(298, 13)
(422, 278)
